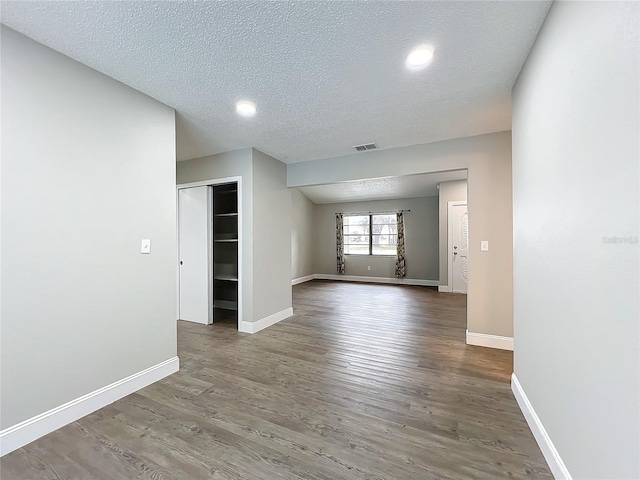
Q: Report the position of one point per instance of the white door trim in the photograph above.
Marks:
(450, 205)
(210, 253)
(212, 182)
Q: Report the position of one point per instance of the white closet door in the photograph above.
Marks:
(194, 237)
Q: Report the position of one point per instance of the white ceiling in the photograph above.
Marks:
(408, 186)
(325, 75)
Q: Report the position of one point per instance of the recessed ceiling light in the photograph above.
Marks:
(245, 108)
(419, 57)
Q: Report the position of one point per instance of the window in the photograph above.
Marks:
(374, 234)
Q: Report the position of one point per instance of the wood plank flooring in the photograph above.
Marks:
(365, 381)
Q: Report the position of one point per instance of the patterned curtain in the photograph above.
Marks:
(401, 270)
(340, 243)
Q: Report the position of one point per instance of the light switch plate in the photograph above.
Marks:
(145, 245)
(484, 245)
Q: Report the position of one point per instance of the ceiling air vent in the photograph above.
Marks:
(367, 146)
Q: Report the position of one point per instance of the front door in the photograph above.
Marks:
(459, 248)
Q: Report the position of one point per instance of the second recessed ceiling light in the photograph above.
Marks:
(246, 108)
(419, 57)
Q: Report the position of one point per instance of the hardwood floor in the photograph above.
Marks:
(364, 382)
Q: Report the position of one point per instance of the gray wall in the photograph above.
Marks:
(575, 176)
(237, 163)
(487, 159)
(302, 210)
(88, 170)
(272, 236)
(448, 192)
(421, 239)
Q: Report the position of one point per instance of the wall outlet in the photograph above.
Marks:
(484, 246)
(368, 267)
(145, 245)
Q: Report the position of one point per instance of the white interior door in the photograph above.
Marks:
(458, 247)
(194, 240)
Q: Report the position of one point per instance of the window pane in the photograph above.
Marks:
(385, 235)
(385, 230)
(356, 240)
(356, 220)
(385, 250)
(384, 241)
(357, 249)
(356, 229)
(356, 234)
(385, 238)
(389, 219)
(385, 225)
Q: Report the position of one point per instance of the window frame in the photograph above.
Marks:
(370, 235)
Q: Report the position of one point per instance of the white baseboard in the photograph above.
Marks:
(254, 327)
(26, 432)
(444, 288)
(394, 281)
(551, 455)
(298, 280)
(491, 341)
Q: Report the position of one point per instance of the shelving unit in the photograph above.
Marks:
(225, 250)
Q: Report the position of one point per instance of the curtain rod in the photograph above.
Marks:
(374, 213)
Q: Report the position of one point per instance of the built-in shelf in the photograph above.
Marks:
(226, 269)
(227, 234)
(225, 248)
(225, 304)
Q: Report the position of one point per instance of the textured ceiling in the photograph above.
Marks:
(408, 186)
(325, 75)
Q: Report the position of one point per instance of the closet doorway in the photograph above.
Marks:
(209, 252)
